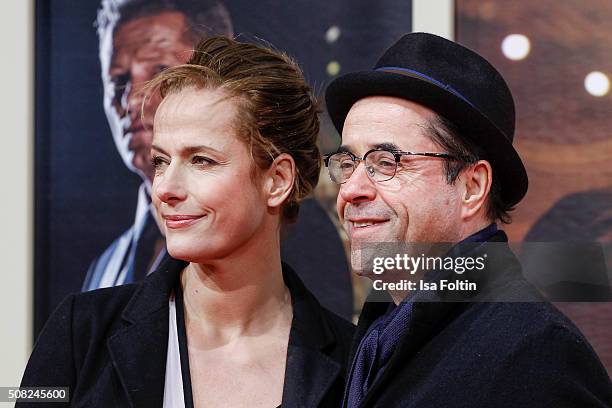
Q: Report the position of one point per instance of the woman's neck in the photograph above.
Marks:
(241, 294)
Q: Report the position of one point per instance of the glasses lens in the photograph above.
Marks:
(381, 165)
(340, 166)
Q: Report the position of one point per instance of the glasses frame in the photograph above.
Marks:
(397, 154)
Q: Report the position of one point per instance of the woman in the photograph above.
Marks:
(222, 322)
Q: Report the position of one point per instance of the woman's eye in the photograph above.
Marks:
(202, 161)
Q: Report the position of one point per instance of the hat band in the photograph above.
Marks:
(423, 77)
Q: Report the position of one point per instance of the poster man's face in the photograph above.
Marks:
(141, 48)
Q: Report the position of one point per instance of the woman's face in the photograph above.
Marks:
(209, 203)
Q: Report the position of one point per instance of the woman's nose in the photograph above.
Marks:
(169, 185)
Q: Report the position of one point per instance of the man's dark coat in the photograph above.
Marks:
(520, 352)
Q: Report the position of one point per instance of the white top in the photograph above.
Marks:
(173, 386)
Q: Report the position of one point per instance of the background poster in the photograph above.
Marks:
(556, 59)
(85, 195)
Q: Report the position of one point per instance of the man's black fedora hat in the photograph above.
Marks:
(454, 82)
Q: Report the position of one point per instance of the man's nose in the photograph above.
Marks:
(134, 100)
(359, 187)
(139, 75)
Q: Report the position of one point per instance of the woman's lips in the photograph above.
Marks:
(181, 221)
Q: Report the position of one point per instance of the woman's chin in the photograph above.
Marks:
(184, 253)
(196, 254)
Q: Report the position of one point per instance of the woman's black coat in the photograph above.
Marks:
(109, 346)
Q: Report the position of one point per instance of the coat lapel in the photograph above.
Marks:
(139, 350)
(138, 353)
(310, 372)
(308, 376)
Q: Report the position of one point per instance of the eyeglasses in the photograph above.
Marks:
(380, 164)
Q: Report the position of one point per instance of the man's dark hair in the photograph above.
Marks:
(205, 18)
(445, 134)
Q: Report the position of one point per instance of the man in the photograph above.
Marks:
(138, 39)
(433, 124)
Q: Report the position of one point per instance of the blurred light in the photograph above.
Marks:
(516, 46)
(333, 68)
(597, 83)
(332, 34)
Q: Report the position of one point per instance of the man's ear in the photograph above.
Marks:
(279, 180)
(476, 185)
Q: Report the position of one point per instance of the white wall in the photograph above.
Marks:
(434, 16)
(16, 187)
(16, 170)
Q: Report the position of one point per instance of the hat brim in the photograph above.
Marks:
(344, 91)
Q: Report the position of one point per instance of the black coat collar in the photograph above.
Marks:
(310, 371)
(429, 317)
(139, 350)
